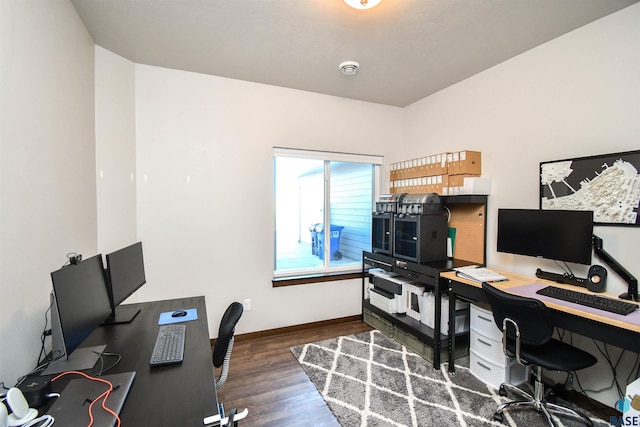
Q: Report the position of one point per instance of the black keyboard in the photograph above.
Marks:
(169, 346)
(594, 301)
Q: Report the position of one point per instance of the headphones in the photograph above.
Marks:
(21, 414)
(3, 415)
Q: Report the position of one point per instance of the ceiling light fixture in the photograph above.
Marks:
(349, 68)
(362, 4)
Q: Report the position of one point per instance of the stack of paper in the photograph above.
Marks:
(479, 274)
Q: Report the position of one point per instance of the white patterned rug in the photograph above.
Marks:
(369, 379)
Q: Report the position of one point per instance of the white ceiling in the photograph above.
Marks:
(407, 49)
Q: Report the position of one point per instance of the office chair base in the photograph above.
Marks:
(222, 420)
(537, 402)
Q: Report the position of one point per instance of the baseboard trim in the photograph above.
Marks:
(294, 328)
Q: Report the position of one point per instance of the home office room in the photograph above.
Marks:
(118, 127)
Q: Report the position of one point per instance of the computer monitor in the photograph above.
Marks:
(79, 305)
(559, 235)
(125, 275)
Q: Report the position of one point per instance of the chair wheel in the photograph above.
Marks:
(502, 391)
(498, 417)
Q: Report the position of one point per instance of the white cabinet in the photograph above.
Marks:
(487, 359)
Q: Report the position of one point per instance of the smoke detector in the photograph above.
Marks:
(349, 68)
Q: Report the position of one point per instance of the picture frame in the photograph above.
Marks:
(608, 185)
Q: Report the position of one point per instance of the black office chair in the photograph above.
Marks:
(224, 342)
(527, 328)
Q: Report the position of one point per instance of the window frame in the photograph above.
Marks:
(315, 275)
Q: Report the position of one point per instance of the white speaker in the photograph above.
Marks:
(21, 413)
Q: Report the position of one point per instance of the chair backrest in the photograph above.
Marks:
(226, 331)
(531, 315)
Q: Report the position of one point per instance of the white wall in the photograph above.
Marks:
(578, 95)
(115, 151)
(575, 96)
(47, 173)
(205, 188)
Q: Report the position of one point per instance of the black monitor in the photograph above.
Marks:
(125, 275)
(79, 305)
(558, 235)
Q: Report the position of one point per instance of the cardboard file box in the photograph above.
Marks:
(455, 184)
(465, 163)
(437, 164)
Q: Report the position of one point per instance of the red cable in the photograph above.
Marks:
(103, 396)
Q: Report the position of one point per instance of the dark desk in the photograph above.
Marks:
(173, 395)
(622, 334)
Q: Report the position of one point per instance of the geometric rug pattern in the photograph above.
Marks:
(369, 379)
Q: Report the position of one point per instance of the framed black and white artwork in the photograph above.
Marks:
(608, 185)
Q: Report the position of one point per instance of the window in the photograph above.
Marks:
(323, 205)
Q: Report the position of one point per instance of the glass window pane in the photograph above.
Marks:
(304, 244)
(351, 199)
(299, 201)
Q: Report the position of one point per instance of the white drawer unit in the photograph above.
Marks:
(487, 348)
(487, 359)
(494, 375)
(482, 322)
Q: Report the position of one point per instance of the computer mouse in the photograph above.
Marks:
(179, 313)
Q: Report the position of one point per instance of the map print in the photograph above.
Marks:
(607, 185)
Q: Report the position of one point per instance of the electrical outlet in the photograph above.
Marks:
(247, 304)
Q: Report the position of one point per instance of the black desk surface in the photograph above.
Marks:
(172, 395)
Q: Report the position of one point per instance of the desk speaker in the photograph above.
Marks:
(597, 278)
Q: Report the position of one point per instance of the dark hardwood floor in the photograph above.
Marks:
(265, 377)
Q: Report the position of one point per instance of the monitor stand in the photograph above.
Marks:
(122, 314)
(81, 359)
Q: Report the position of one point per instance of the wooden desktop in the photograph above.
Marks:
(599, 326)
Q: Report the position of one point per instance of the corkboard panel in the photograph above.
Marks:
(469, 220)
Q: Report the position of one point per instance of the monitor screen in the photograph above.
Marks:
(80, 304)
(125, 275)
(552, 234)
